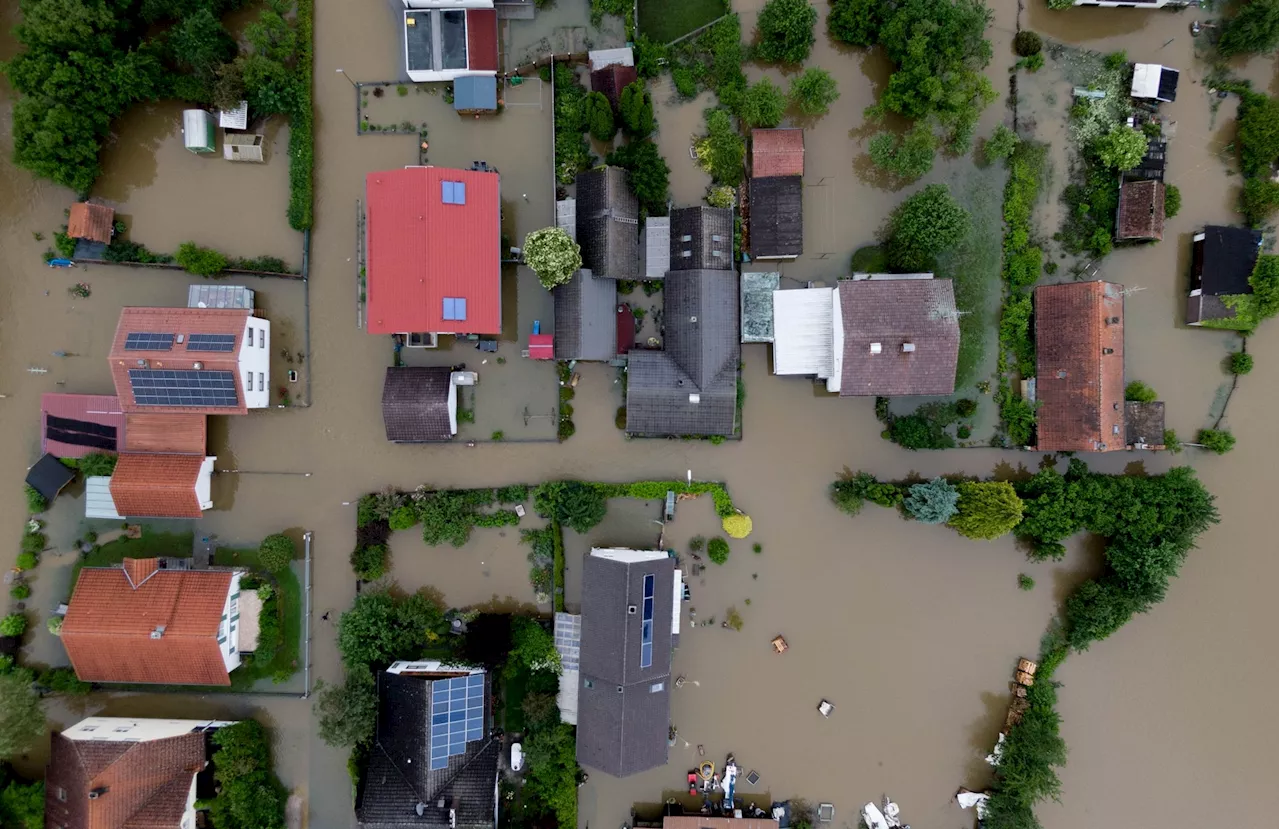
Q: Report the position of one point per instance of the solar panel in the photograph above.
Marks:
(148, 341)
(159, 387)
(457, 717)
(211, 342)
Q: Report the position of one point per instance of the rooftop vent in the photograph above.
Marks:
(875, 348)
(693, 319)
(1114, 320)
(1062, 374)
(631, 610)
(695, 398)
(907, 348)
(142, 362)
(197, 365)
(94, 794)
(158, 632)
(181, 337)
(1108, 351)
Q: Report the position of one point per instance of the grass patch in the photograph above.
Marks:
(665, 20)
(284, 663)
(515, 683)
(150, 545)
(973, 266)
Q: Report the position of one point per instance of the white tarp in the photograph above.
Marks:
(1146, 80)
(973, 800)
(803, 337)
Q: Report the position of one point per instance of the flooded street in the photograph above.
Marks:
(911, 631)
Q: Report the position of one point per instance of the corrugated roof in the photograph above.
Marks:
(777, 153)
(91, 221)
(803, 335)
(895, 313)
(109, 626)
(157, 486)
(482, 40)
(584, 314)
(234, 119)
(600, 58)
(475, 92)
(74, 425)
(415, 404)
(1080, 367)
(97, 499)
(1141, 210)
(422, 251)
(220, 296)
(179, 434)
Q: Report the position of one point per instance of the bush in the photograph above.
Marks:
(576, 505)
(15, 624)
(552, 255)
(647, 171)
(924, 226)
(1253, 29)
(813, 91)
(97, 465)
(248, 793)
(599, 117)
(721, 151)
(764, 104)
(718, 550)
(200, 261)
(1172, 201)
(64, 681)
(908, 157)
(1122, 148)
(1139, 392)
(34, 542)
(965, 407)
(369, 561)
(737, 525)
(36, 503)
(26, 561)
(1027, 43)
(1025, 582)
(1241, 363)
(402, 518)
(1258, 200)
(348, 713)
(933, 502)
(1001, 144)
(635, 107)
(785, 30)
(869, 259)
(1258, 134)
(1218, 441)
(20, 591)
(1019, 418)
(851, 490)
(916, 431)
(986, 510)
(682, 78)
(649, 57)
(54, 625)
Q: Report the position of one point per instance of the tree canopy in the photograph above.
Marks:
(21, 716)
(248, 792)
(552, 255)
(648, 172)
(348, 713)
(532, 646)
(1255, 28)
(1122, 148)
(599, 114)
(276, 551)
(924, 226)
(635, 107)
(986, 509)
(721, 151)
(785, 31)
(764, 104)
(908, 157)
(381, 628)
(932, 502)
(813, 91)
(1258, 134)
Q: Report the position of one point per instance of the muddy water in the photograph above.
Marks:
(909, 631)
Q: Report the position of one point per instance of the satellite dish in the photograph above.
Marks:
(421, 808)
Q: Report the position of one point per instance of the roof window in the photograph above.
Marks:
(453, 192)
(455, 308)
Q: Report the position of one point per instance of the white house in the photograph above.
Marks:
(448, 39)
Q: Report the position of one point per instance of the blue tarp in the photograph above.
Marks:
(475, 92)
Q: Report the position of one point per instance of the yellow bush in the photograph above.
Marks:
(737, 525)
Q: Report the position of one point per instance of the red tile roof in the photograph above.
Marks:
(101, 409)
(109, 625)
(141, 785)
(777, 153)
(421, 250)
(156, 486)
(1141, 210)
(185, 322)
(611, 80)
(179, 434)
(90, 221)
(482, 39)
(1080, 367)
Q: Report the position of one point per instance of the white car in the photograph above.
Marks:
(517, 757)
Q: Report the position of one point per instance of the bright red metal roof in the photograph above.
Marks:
(541, 346)
(421, 250)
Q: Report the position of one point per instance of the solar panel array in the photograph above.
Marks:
(568, 638)
(148, 341)
(646, 625)
(158, 387)
(211, 342)
(457, 717)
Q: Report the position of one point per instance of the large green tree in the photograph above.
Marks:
(924, 226)
(381, 628)
(721, 151)
(648, 171)
(348, 712)
(635, 108)
(21, 716)
(986, 509)
(908, 157)
(552, 255)
(785, 31)
(764, 104)
(1255, 28)
(248, 792)
(813, 91)
(932, 502)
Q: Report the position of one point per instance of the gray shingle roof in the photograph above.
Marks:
(690, 388)
(893, 313)
(586, 318)
(777, 221)
(415, 404)
(701, 238)
(399, 777)
(623, 715)
(608, 223)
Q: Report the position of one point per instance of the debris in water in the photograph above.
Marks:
(825, 708)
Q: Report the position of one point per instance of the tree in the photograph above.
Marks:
(647, 171)
(1218, 441)
(599, 115)
(718, 550)
(1254, 29)
(857, 22)
(21, 717)
(1258, 200)
(97, 465)
(635, 107)
(1258, 134)
(200, 45)
(1172, 201)
(763, 104)
(369, 561)
(248, 792)
(1001, 144)
(22, 804)
(532, 646)
(539, 709)
(552, 776)
(986, 509)
(737, 525)
(15, 624)
(933, 502)
(1027, 43)
(924, 226)
(1265, 282)
(348, 712)
(552, 255)
(200, 261)
(813, 91)
(276, 551)
(785, 30)
(721, 151)
(908, 157)
(36, 503)
(580, 506)
(1139, 392)
(379, 628)
(1096, 610)
(1122, 148)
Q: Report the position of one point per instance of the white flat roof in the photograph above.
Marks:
(601, 58)
(98, 502)
(234, 119)
(628, 556)
(803, 339)
(1146, 80)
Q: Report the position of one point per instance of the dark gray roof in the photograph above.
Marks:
(586, 318)
(399, 777)
(777, 224)
(49, 476)
(690, 388)
(624, 709)
(1226, 260)
(1144, 423)
(415, 404)
(701, 238)
(608, 223)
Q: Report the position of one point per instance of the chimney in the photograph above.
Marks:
(907, 348)
(875, 348)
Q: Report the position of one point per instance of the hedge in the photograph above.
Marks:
(301, 139)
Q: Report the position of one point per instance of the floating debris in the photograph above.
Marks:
(779, 644)
(825, 708)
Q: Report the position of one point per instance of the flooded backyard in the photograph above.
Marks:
(910, 631)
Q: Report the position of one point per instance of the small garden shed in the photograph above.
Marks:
(199, 131)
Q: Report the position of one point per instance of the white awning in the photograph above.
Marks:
(98, 502)
(803, 338)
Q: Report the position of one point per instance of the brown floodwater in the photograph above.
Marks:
(910, 631)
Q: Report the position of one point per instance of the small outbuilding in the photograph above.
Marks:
(199, 133)
(1222, 260)
(1141, 211)
(1144, 425)
(475, 94)
(95, 222)
(757, 306)
(49, 476)
(776, 219)
(419, 404)
(1152, 81)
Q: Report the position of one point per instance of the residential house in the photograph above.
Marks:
(585, 314)
(75, 425)
(1222, 260)
(1154, 82)
(146, 623)
(433, 258)
(608, 223)
(775, 204)
(121, 773)
(690, 387)
(434, 760)
(93, 222)
(879, 335)
(1079, 334)
(630, 623)
(420, 404)
(161, 485)
(1141, 215)
(191, 360)
(445, 40)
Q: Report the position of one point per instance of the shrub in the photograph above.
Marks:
(635, 108)
(97, 465)
(1218, 441)
(1033, 64)
(64, 681)
(369, 561)
(721, 151)
(1027, 43)
(1258, 200)
(785, 29)
(1122, 148)
(20, 591)
(15, 624)
(1115, 60)
(1171, 441)
(933, 502)
(648, 57)
(924, 226)
(908, 157)
(1172, 201)
(34, 542)
(718, 550)
(1139, 392)
(402, 518)
(647, 171)
(599, 115)
(869, 259)
(552, 255)
(578, 506)
(763, 104)
(36, 503)
(696, 543)
(916, 431)
(966, 407)
(1025, 582)
(1241, 363)
(682, 78)
(1019, 418)
(1253, 29)
(737, 525)
(1001, 144)
(986, 510)
(54, 625)
(200, 261)
(26, 561)
(1258, 134)
(813, 91)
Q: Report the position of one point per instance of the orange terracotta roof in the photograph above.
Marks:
(180, 434)
(109, 624)
(1141, 210)
(156, 486)
(777, 153)
(1080, 367)
(178, 322)
(138, 570)
(91, 221)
